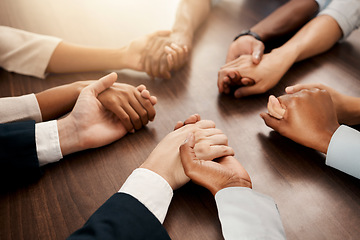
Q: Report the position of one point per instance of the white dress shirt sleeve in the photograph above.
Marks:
(47, 142)
(153, 191)
(19, 109)
(344, 151)
(246, 214)
(346, 13)
(24, 52)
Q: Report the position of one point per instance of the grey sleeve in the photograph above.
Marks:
(346, 13)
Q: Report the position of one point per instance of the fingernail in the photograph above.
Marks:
(289, 89)
(257, 54)
(273, 99)
(237, 94)
(173, 45)
(168, 48)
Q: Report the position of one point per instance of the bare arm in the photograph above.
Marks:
(189, 16)
(69, 57)
(167, 53)
(286, 19)
(58, 101)
(316, 37)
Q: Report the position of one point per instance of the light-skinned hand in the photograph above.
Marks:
(249, 78)
(309, 118)
(214, 175)
(246, 45)
(165, 159)
(166, 53)
(135, 54)
(89, 124)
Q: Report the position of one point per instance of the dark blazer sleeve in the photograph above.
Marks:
(122, 217)
(18, 156)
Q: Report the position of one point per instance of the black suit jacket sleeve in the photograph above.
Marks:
(122, 217)
(18, 156)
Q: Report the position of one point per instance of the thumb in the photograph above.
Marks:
(163, 33)
(247, 81)
(103, 83)
(270, 121)
(274, 107)
(187, 153)
(247, 91)
(258, 52)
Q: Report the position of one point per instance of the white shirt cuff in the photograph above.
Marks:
(344, 151)
(153, 191)
(47, 142)
(247, 214)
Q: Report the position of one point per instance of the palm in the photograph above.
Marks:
(97, 125)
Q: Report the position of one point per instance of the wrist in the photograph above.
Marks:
(326, 138)
(286, 56)
(248, 33)
(121, 57)
(69, 140)
(262, 34)
(235, 182)
(182, 37)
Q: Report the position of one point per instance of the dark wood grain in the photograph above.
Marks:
(315, 201)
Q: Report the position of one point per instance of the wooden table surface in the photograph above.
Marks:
(315, 201)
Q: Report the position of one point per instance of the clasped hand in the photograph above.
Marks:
(204, 157)
(160, 53)
(104, 112)
(250, 77)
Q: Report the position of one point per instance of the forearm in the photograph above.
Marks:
(58, 101)
(69, 57)
(190, 14)
(286, 19)
(316, 37)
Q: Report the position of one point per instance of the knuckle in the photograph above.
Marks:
(136, 119)
(125, 118)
